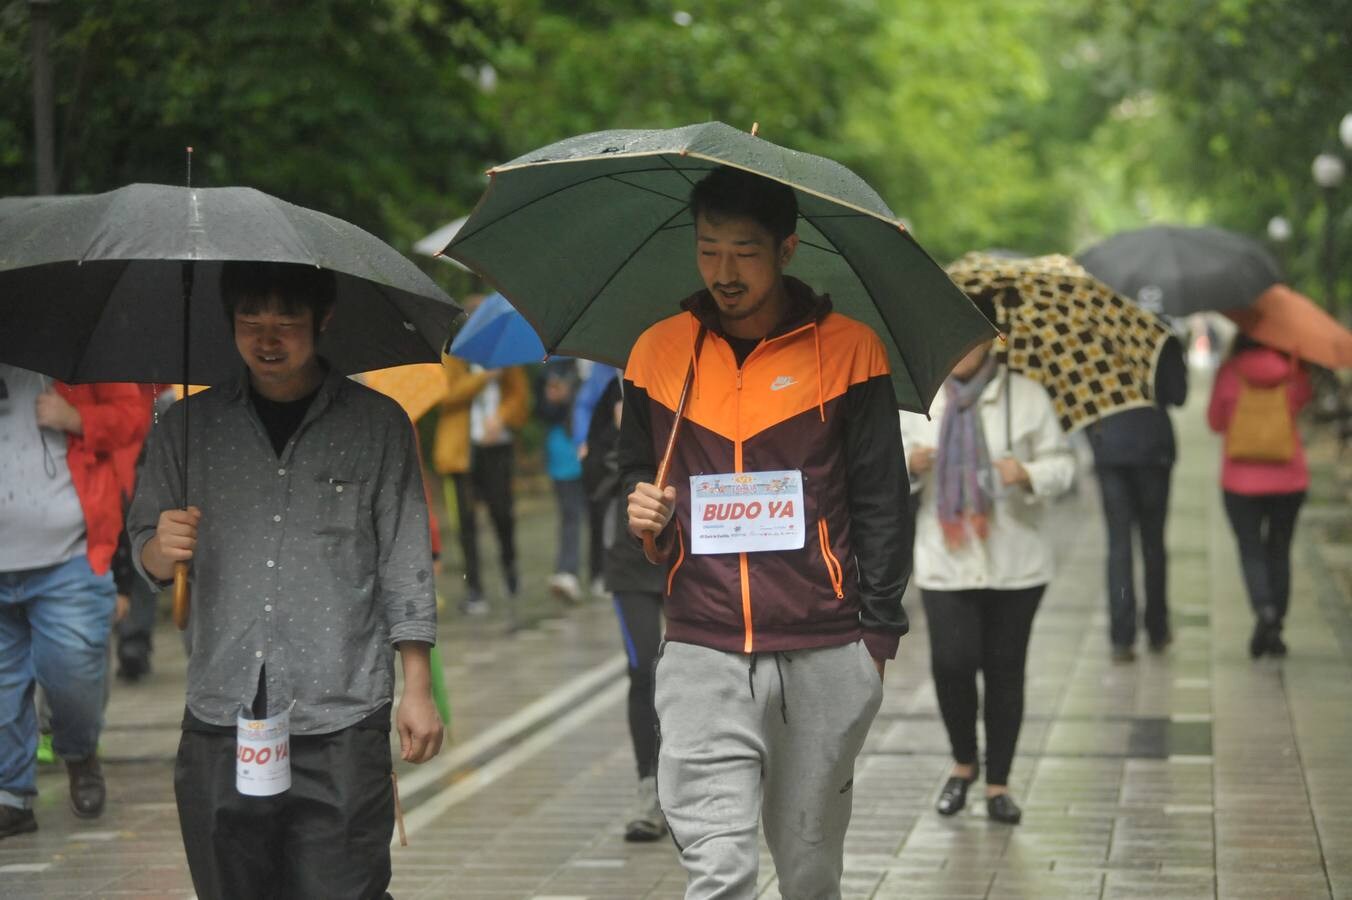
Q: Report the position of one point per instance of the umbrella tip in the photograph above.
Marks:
(755, 127)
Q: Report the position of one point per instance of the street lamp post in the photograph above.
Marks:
(1328, 171)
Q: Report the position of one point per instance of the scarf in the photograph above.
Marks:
(962, 462)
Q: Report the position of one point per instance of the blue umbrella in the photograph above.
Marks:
(496, 335)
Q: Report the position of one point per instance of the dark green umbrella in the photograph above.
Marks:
(1178, 271)
(92, 286)
(592, 240)
(124, 286)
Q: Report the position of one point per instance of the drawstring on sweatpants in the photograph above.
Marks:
(783, 694)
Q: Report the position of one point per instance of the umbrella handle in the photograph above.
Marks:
(654, 554)
(182, 595)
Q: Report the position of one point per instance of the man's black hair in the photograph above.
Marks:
(252, 287)
(735, 192)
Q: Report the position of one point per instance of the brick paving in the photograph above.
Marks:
(1195, 773)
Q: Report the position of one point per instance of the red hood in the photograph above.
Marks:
(1263, 367)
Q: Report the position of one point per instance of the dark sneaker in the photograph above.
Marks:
(87, 790)
(1123, 654)
(1161, 643)
(14, 820)
(646, 822)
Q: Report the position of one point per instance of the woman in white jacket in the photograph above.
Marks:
(984, 464)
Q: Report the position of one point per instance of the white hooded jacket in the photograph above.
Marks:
(1017, 551)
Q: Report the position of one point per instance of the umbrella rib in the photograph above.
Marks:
(639, 187)
(632, 253)
(559, 190)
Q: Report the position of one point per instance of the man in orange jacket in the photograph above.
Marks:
(789, 547)
(60, 517)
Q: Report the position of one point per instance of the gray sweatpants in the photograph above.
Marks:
(772, 736)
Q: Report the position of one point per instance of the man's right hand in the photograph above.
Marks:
(650, 509)
(921, 460)
(175, 541)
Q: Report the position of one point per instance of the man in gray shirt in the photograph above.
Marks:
(311, 561)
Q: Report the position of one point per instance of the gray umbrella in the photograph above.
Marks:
(124, 286)
(92, 287)
(1177, 271)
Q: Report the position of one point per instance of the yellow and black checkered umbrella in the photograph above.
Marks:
(1094, 350)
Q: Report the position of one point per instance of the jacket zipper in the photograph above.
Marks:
(833, 569)
(743, 573)
(680, 558)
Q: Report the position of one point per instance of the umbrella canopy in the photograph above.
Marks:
(592, 240)
(1093, 350)
(91, 287)
(432, 244)
(1179, 271)
(496, 335)
(417, 388)
(1293, 323)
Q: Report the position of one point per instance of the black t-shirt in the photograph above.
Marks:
(280, 418)
(742, 347)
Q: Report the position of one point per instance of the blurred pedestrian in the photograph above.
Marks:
(138, 602)
(1134, 454)
(1254, 401)
(311, 565)
(638, 586)
(771, 672)
(474, 447)
(60, 517)
(557, 389)
(599, 380)
(988, 461)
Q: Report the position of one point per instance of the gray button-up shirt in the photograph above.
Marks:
(315, 562)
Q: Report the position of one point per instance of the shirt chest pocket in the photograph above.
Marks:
(338, 503)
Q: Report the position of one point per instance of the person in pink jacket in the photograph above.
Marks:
(1262, 499)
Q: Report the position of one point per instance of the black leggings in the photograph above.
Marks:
(640, 616)
(1264, 525)
(489, 480)
(986, 630)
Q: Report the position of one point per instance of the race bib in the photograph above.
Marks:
(746, 512)
(263, 755)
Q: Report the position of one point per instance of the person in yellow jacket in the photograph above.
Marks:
(474, 449)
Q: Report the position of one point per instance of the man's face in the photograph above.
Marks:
(278, 347)
(740, 262)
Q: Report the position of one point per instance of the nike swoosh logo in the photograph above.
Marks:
(782, 382)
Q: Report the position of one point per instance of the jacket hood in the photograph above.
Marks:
(1263, 367)
(804, 306)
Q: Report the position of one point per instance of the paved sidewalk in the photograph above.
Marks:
(1196, 773)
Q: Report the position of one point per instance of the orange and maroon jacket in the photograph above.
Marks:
(815, 395)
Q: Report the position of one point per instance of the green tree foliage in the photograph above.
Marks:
(1034, 125)
(359, 108)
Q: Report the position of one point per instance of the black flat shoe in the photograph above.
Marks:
(953, 797)
(1002, 808)
(1258, 641)
(1275, 645)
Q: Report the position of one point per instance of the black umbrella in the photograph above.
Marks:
(1178, 271)
(124, 286)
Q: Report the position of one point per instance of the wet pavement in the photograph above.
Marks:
(1196, 773)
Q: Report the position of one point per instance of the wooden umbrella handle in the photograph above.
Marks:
(654, 554)
(182, 595)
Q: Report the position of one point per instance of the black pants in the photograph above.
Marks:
(1264, 525)
(489, 480)
(1136, 502)
(986, 630)
(596, 537)
(326, 838)
(640, 616)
